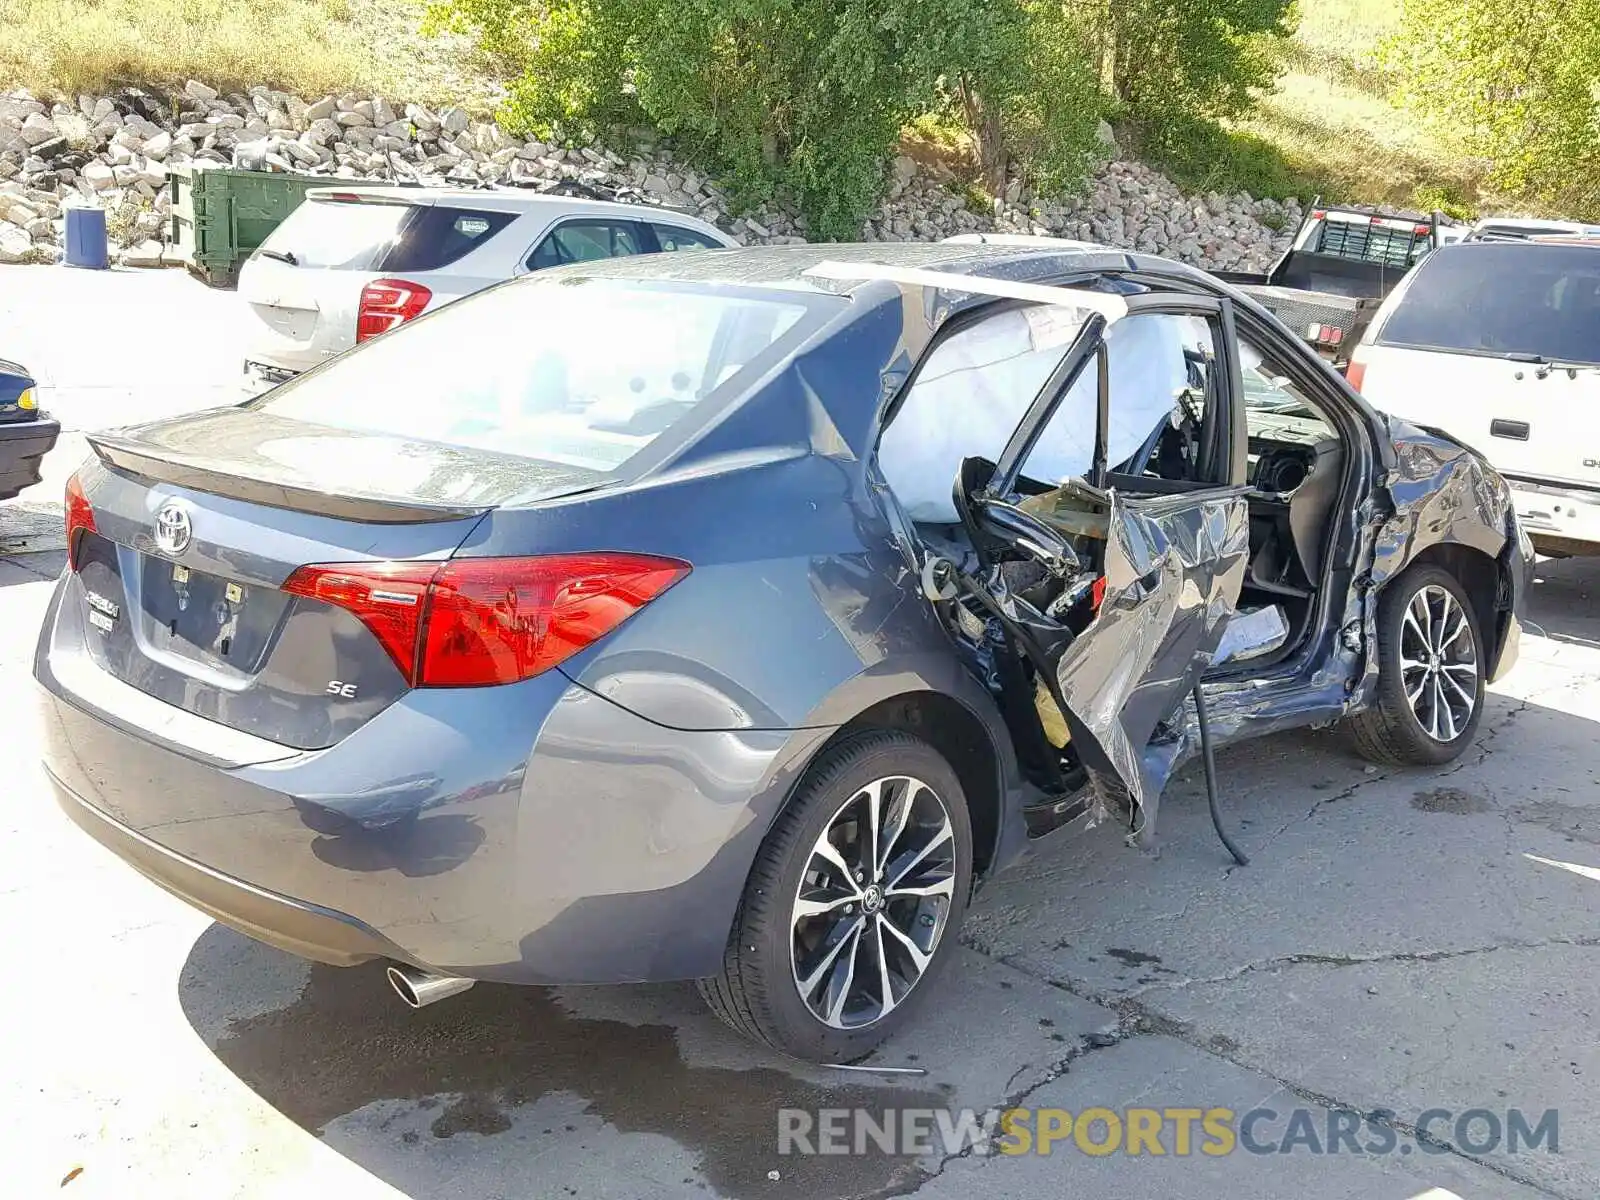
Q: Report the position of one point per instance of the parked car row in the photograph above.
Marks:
(746, 608)
(1498, 342)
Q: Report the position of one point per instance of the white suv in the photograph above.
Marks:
(1498, 344)
(351, 263)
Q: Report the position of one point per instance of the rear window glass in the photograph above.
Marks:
(1502, 299)
(382, 236)
(584, 373)
(673, 237)
(1382, 241)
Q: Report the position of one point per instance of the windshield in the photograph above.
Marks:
(581, 372)
(1502, 299)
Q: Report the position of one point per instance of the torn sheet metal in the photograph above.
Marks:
(1174, 568)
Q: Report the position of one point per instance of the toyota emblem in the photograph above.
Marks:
(173, 529)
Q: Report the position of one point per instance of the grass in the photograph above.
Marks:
(67, 47)
(1329, 127)
(1332, 122)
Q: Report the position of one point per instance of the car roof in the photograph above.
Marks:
(519, 200)
(785, 267)
(1526, 226)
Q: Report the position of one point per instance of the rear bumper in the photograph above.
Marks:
(306, 930)
(532, 833)
(1560, 520)
(23, 445)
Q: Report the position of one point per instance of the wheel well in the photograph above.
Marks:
(1478, 574)
(952, 729)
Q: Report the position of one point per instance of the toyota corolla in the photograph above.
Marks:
(731, 616)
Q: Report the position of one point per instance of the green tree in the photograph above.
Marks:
(1185, 58)
(1027, 92)
(1514, 82)
(801, 96)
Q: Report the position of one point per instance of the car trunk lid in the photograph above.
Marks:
(183, 587)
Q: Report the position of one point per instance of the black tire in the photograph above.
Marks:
(756, 991)
(1390, 732)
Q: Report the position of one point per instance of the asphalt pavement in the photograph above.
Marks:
(1402, 941)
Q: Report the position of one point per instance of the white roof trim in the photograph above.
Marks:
(1111, 307)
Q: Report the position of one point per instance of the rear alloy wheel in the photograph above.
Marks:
(1430, 673)
(853, 902)
(872, 902)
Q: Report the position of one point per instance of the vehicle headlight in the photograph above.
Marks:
(27, 400)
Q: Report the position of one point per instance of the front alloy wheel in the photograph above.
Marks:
(1431, 667)
(853, 902)
(1439, 661)
(872, 902)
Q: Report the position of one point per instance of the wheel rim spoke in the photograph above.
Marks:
(839, 988)
(896, 873)
(919, 957)
(942, 887)
(808, 985)
(867, 856)
(1466, 696)
(827, 851)
(886, 996)
(871, 907)
(1441, 705)
(895, 824)
(805, 908)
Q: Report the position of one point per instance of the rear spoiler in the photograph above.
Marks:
(195, 471)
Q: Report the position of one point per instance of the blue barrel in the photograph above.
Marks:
(86, 238)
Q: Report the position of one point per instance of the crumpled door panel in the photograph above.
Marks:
(1174, 568)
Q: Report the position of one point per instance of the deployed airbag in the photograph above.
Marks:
(975, 387)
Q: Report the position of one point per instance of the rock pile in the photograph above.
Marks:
(115, 151)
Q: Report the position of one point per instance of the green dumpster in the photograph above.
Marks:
(220, 215)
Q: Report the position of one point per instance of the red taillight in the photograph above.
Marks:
(80, 517)
(478, 621)
(386, 303)
(388, 597)
(1355, 374)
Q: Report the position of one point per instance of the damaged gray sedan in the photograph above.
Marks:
(730, 616)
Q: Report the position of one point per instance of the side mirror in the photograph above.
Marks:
(1005, 523)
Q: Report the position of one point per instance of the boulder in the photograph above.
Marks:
(15, 244)
(37, 128)
(147, 253)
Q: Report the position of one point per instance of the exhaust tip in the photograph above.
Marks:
(402, 985)
(418, 988)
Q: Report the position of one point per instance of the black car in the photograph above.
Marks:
(727, 615)
(26, 434)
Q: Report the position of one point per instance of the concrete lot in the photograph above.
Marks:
(1401, 940)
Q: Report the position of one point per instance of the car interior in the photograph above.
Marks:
(1017, 567)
